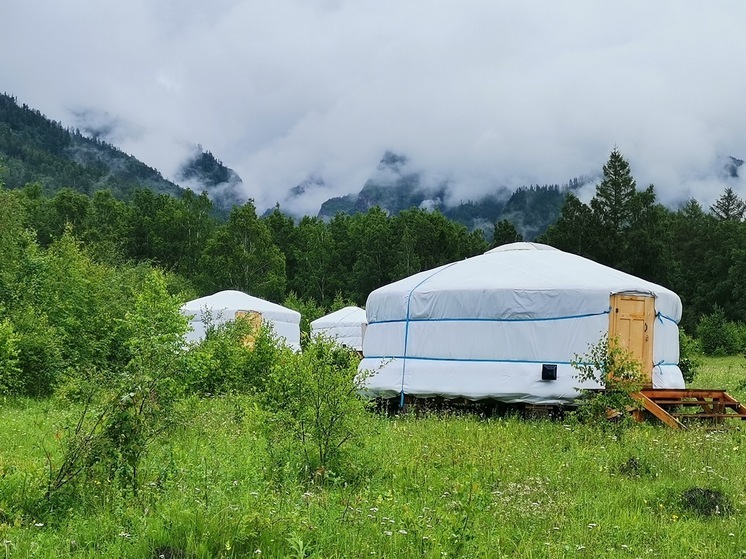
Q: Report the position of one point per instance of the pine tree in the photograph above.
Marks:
(729, 207)
(613, 202)
(504, 232)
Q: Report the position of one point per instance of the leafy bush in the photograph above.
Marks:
(10, 371)
(313, 409)
(717, 335)
(689, 356)
(39, 352)
(120, 420)
(614, 368)
(222, 363)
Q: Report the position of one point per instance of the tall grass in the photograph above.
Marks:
(728, 373)
(434, 486)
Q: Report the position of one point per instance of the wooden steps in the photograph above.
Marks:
(673, 406)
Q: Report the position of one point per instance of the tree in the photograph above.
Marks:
(284, 234)
(12, 218)
(615, 194)
(504, 233)
(371, 234)
(612, 207)
(107, 231)
(241, 255)
(644, 248)
(315, 262)
(729, 207)
(700, 248)
(576, 229)
(194, 224)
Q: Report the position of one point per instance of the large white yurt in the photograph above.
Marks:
(223, 306)
(507, 324)
(346, 326)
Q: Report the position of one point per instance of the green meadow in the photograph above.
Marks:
(417, 485)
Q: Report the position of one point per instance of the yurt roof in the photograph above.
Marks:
(345, 316)
(232, 300)
(524, 280)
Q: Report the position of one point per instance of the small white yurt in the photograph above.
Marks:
(346, 326)
(224, 306)
(507, 324)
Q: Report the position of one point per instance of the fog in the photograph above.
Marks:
(486, 94)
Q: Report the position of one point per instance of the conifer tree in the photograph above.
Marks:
(729, 207)
(613, 202)
(504, 232)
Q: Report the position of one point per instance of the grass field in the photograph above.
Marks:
(433, 486)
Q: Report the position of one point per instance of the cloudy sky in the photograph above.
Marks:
(487, 93)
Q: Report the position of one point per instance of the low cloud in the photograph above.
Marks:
(489, 94)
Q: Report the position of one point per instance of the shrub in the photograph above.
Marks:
(222, 363)
(717, 335)
(39, 352)
(120, 419)
(614, 368)
(10, 371)
(689, 356)
(313, 408)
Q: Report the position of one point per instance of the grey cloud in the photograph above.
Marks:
(486, 93)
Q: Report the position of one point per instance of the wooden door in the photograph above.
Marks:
(632, 322)
(255, 319)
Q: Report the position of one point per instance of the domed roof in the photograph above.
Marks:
(526, 280)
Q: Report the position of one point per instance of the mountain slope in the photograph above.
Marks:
(202, 171)
(34, 148)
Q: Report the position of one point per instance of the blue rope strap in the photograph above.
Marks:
(542, 319)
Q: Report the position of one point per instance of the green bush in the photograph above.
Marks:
(223, 364)
(314, 412)
(717, 335)
(617, 371)
(120, 419)
(689, 356)
(40, 352)
(10, 371)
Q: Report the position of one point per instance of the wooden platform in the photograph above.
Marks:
(674, 407)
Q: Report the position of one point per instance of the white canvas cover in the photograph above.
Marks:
(483, 327)
(346, 325)
(223, 306)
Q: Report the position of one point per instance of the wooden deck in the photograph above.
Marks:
(674, 407)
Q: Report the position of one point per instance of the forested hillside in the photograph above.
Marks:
(34, 149)
(395, 188)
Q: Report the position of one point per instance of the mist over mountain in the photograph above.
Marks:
(395, 187)
(34, 148)
(203, 172)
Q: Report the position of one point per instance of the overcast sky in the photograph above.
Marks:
(487, 93)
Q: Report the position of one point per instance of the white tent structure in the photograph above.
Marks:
(507, 325)
(346, 326)
(224, 306)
